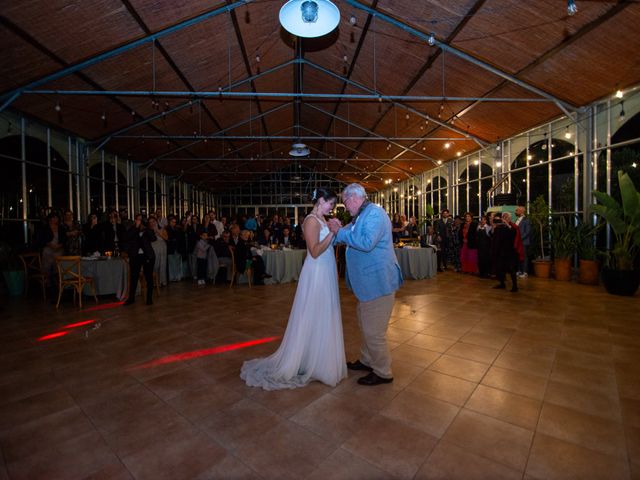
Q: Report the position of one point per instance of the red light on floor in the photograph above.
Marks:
(180, 357)
(79, 324)
(105, 306)
(53, 335)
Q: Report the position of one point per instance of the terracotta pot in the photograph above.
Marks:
(542, 268)
(562, 267)
(589, 272)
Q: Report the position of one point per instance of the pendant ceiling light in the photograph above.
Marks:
(309, 18)
(299, 150)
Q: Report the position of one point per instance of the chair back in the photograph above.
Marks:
(32, 263)
(69, 270)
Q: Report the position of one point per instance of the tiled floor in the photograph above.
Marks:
(544, 384)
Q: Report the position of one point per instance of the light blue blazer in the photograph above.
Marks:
(372, 266)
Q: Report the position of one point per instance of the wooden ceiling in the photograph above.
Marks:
(573, 59)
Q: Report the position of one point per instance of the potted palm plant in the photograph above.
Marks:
(539, 213)
(588, 253)
(619, 275)
(564, 244)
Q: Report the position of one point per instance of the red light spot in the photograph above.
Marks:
(79, 324)
(53, 335)
(105, 306)
(179, 357)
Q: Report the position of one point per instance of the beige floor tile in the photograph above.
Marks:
(473, 352)
(460, 367)
(491, 438)
(509, 407)
(555, 459)
(531, 364)
(526, 384)
(429, 342)
(288, 402)
(184, 454)
(589, 431)
(598, 381)
(443, 387)
(489, 340)
(587, 401)
(36, 406)
(391, 446)
(332, 417)
(223, 425)
(343, 465)
(416, 356)
(421, 411)
(450, 462)
(285, 451)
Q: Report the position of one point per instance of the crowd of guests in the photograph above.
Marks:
(168, 248)
(494, 246)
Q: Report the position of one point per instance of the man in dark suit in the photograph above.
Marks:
(524, 226)
(444, 231)
(113, 233)
(223, 247)
(138, 241)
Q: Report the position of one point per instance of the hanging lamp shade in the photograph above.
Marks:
(309, 18)
(299, 150)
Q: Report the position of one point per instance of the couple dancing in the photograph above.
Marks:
(313, 345)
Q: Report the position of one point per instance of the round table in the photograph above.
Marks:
(109, 276)
(417, 263)
(283, 265)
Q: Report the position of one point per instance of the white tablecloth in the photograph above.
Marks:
(417, 263)
(284, 266)
(109, 276)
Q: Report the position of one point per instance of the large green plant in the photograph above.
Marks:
(539, 213)
(624, 220)
(585, 239)
(563, 237)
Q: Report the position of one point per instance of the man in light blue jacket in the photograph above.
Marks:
(373, 274)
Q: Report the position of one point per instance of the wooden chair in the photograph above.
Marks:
(70, 275)
(32, 263)
(248, 272)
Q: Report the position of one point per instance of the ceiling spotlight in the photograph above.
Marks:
(309, 18)
(439, 162)
(498, 164)
(431, 40)
(476, 163)
(299, 150)
(572, 8)
(447, 145)
(57, 108)
(459, 154)
(567, 134)
(353, 20)
(619, 93)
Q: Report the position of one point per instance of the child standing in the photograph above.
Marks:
(201, 251)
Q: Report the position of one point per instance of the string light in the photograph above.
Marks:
(619, 93)
(446, 145)
(439, 162)
(621, 117)
(567, 134)
(572, 8)
(431, 40)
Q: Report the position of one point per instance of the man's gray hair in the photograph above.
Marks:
(354, 190)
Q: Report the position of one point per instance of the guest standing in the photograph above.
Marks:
(159, 246)
(51, 240)
(174, 256)
(444, 228)
(524, 225)
(468, 240)
(138, 240)
(484, 247)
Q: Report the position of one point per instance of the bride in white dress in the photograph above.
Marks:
(313, 345)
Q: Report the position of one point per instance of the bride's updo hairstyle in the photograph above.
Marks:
(320, 192)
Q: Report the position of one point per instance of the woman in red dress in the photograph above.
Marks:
(469, 242)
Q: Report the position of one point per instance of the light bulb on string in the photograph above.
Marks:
(619, 93)
(572, 8)
(567, 134)
(621, 116)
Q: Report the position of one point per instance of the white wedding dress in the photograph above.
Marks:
(313, 345)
